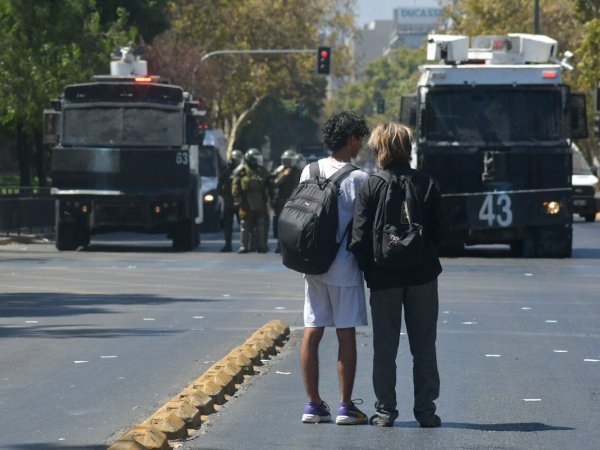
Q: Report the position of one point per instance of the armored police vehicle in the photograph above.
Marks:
(126, 157)
(212, 158)
(493, 124)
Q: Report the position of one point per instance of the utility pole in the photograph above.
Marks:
(536, 17)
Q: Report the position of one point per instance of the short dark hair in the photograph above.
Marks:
(341, 126)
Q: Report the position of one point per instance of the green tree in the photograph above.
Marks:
(387, 78)
(236, 85)
(45, 45)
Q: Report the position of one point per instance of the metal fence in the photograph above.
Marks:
(25, 210)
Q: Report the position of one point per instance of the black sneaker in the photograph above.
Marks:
(383, 419)
(433, 421)
(226, 249)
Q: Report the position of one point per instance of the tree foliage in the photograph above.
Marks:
(387, 78)
(235, 85)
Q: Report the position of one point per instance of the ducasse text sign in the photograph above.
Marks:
(417, 16)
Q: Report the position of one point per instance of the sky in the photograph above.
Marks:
(369, 10)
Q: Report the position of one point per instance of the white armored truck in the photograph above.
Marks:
(493, 124)
(125, 157)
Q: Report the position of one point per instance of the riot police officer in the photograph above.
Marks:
(285, 179)
(250, 188)
(224, 189)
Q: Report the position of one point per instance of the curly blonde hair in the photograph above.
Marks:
(392, 143)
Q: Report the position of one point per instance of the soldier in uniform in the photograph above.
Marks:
(285, 179)
(224, 189)
(250, 188)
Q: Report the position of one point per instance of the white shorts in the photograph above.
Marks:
(333, 306)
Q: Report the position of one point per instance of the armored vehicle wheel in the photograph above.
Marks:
(67, 236)
(185, 236)
(590, 217)
(453, 246)
(548, 242)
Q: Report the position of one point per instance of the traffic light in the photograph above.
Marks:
(380, 106)
(324, 60)
(597, 126)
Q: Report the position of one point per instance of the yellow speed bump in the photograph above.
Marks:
(169, 423)
(221, 379)
(185, 411)
(127, 445)
(250, 352)
(198, 399)
(150, 437)
(230, 368)
(280, 326)
(239, 359)
(210, 388)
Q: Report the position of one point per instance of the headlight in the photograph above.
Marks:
(209, 198)
(551, 208)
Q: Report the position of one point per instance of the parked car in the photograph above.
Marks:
(586, 187)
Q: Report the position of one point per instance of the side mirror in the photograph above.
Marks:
(195, 129)
(594, 170)
(50, 126)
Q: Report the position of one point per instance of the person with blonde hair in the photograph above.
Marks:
(411, 285)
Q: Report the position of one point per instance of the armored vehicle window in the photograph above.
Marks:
(580, 165)
(493, 114)
(120, 126)
(207, 161)
(123, 92)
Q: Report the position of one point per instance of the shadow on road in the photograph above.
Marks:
(526, 427)
(48, 446)
(52, 304)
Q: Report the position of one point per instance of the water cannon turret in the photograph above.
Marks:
(513, 48)
(126, 61)
(451, 49)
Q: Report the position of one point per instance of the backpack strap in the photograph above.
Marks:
(336, 178)
(313, 169)
(341, 173)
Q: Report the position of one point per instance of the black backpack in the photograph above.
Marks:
(308, 222)
(398, 239)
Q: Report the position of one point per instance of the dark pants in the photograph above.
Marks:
(421, 313)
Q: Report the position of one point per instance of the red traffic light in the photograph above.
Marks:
(324, 60)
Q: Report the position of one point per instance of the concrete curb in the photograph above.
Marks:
(26, 239)
(183, 413)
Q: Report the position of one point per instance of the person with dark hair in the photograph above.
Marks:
(336, 298)
(412, 286)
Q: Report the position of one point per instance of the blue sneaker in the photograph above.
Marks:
(314, 413)
(349, 414)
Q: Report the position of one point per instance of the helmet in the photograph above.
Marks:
(253, 157)
(300, 161)
(236, 157)
(288, 158)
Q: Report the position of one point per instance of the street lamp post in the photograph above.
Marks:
(243, 52)
(536, 17)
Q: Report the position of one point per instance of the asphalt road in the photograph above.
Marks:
(93, 342)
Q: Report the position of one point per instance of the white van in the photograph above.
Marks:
(586, 187)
